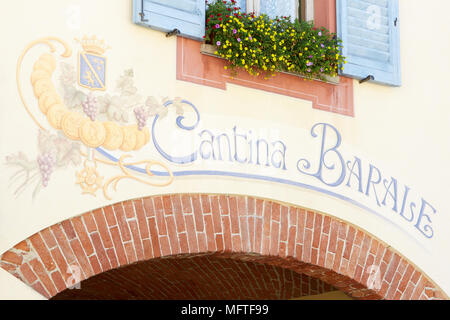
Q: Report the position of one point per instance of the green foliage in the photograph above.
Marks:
(265, 45)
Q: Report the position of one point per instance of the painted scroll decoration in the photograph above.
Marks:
(84, 124)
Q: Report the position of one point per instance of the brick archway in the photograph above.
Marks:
(226, 226)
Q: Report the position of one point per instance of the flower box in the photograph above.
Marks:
(209, 49)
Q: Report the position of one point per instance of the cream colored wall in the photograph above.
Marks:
(13, 289)
(403, 131)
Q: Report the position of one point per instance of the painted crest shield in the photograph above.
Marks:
(92, 71)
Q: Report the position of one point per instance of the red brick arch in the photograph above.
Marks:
(227, 226)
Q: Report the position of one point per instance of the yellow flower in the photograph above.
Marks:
(225, 67)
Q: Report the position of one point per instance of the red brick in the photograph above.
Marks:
(274, 238)
(148, 207)
(317, 230)
(129, 209)
(111, 253)
(60, 262)
(48, 238)
(136, 239)
(406, 277)
(215, 211)
(165, 246)
(300, 225)
(42, 251)
(148, 251)
(89, 222)
(310, 219)
(333, 236)
(167, 204)
(130, 252)
(81, 257)
(172, 233)
(359, 237)
(364, 250)
(63, 243)
(191, 234)
(39, 288)
(68, 229)
(291, 241)
(8, 267)
(28, 274)
(314, 255)
(393, 287)
(95, 264)
(338, 257)
(39, 270)
(219, 242)
(258, 234)
(58, 281)
(234, 217)
(154, 237)
(211, 243)
(419, 289)
(323, 249)
(349, 242)
(141, 219)
(23, 246)
(293, 216)
(251, 205)
(282, 250)
(83, 235)
(184, 245)
(102, 228)
(206, 206)
(12, 257)
(236, 239)
(245, 234)
(267, 218)
(224, 207)
(202, 246)
(118, 246)
(259, 207)
(109, 215)
(353, 260)
(251, 232)
(276, 211)
(186, 203)
(408, 291)
(121, 222)
(392, 268)
(342, 233)
(100, 251)
(307, 246)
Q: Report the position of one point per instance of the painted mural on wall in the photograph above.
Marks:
(89, 127)
(85, 117)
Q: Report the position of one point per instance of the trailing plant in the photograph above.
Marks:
(264, 45)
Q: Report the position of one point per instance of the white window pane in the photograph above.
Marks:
(242, 4)
(279, 8)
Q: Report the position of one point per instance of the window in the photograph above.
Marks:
(369, 29)
(371, 40)
(302, 9)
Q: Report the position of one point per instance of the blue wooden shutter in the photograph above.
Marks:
(188, 16)
(371, 42)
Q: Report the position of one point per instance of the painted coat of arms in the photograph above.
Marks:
(83, 124)
(92, 64)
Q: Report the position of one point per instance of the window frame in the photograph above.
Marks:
(307, 7)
